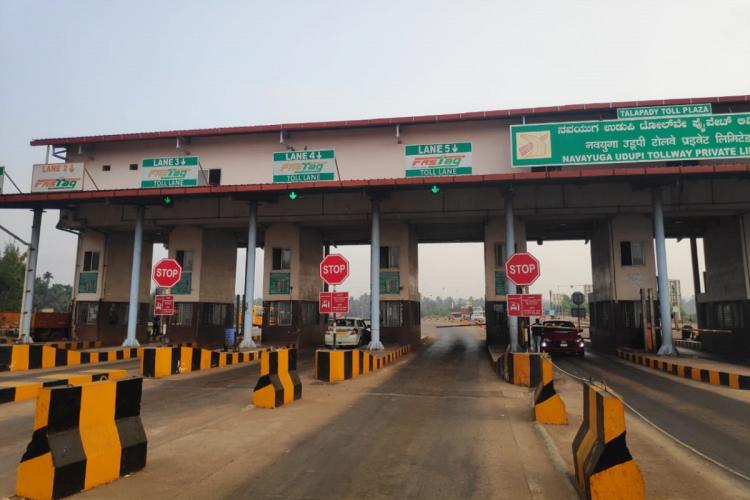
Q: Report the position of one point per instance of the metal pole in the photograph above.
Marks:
(667, 347)
(135, 278)
(696, 275)
(30, 278)
(375, 343)
(252, 230)
(510, 249)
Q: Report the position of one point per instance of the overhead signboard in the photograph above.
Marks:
(708, 137)
(54, 177)
(333, 302)
(526, 305)
(662, 111)
(430, 160)
(304, 166)
(164, 305)
(173, 171)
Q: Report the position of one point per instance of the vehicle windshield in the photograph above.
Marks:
(563, 324)
(345, 322)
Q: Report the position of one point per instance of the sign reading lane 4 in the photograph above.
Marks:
(304, 166)
(174, 171)
(429, 160)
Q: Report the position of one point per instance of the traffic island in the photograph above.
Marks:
(279, 383)
(548, 406)
(698, 369)
(519, 368)
(84, 436)
(333, 365)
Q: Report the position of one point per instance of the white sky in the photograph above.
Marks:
(92, 67)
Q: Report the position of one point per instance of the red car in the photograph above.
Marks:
(562, 336)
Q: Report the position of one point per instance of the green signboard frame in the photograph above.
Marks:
(279, 283)
(312, 165)
(712, 137)
(436, 160)
(171, 171)
(185, 285)
(390, 282)
(665, 111)
(87, 281)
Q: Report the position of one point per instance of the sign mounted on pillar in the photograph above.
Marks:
(429, 160)
(167, 273)
(164, 305)
(522, 269)
(54, 177)
(334, 269)
(174, 171)
(304, 166)
(525, 304)
(333, 302)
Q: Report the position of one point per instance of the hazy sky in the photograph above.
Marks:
(93, 67)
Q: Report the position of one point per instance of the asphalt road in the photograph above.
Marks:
(711, 422)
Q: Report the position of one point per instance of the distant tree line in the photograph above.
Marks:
(46, 294)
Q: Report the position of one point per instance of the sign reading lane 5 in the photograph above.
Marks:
(304, 166)
(428, 160)
(709, 137)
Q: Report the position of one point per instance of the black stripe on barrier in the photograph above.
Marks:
(535, 370)
(292, 359)
(705, 377)
(214, 359)
(547, 391)
(176, 359)
(85, 358)
(5, 355)
(7, 394)
(688, 372)
(583, 430)
(55, 383)
(615, 452)
(324, 366)
(133, 442)
(195, 361)
(723, 378)
(120, 354)
(273, 363)
(348, 361)
(149, 362)
(61, 357)
(35, 357)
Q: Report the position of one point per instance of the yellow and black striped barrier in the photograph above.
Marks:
(84, 436)
(279, 383)
(521, 368)
(332, 365)
(688, 344)
(548, 406)
(74, 345)
(604, 468)
(19, 391)
(714, 377)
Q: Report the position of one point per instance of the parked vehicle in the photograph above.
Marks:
(350, 332)
(562, 337)
(44, 325)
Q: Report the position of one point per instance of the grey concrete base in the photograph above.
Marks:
(130, 343)
(668, 350)
(248, 343)
(375, 346)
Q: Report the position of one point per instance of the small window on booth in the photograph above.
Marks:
(185, 259)
(499, 255)
(133, 166)
(90, 261)
(214, 177)
(631, 253)
(389, 257)
(282, 258)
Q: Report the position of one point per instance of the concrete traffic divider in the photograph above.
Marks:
(548, 406)
(333, 365)
(521, 368)
(279, 383)
(84, 436)
(684, 370)
(604, 468)
(19, 391)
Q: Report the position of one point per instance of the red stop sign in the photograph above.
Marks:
(167, 273)
(522, 269)
(334, 269)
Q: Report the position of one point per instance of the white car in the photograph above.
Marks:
(349, 332)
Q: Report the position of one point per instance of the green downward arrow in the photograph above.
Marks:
(293, 195)
(435, 189)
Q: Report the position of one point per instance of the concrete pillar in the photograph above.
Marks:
(375, 343)
(135, 280)
(247, 340)
(667, 346)
(496, 285)
(696, 274)
(30, 278)
(510, 246)
(291, 287)
(205, 295)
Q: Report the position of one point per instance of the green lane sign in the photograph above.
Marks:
(174, 171)
(662, 111)
(431, 160)
(711, 137)
(304, 166)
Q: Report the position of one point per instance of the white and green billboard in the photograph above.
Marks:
(172, 171)
(431, 160)
(304, 166)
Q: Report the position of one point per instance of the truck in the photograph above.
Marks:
(44, 325)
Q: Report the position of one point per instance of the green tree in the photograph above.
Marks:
(12, 267)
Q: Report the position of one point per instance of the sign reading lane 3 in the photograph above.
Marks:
(175, 171)
(428, 160)
(304, 166)
(675, 138)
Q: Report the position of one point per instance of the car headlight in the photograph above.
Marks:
(544, 343)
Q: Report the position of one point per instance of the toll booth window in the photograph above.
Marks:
(631, 253)
(185, 259)
(133, 166)
(309, 313)
(391, 314)
(90, 261)
(389, 257)
(86, 313)
(215, 314)
(214, 177)
(282, 258)
(183, 314)
(499, 255)
(280, 313)
(118, 314)
(106, 168)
